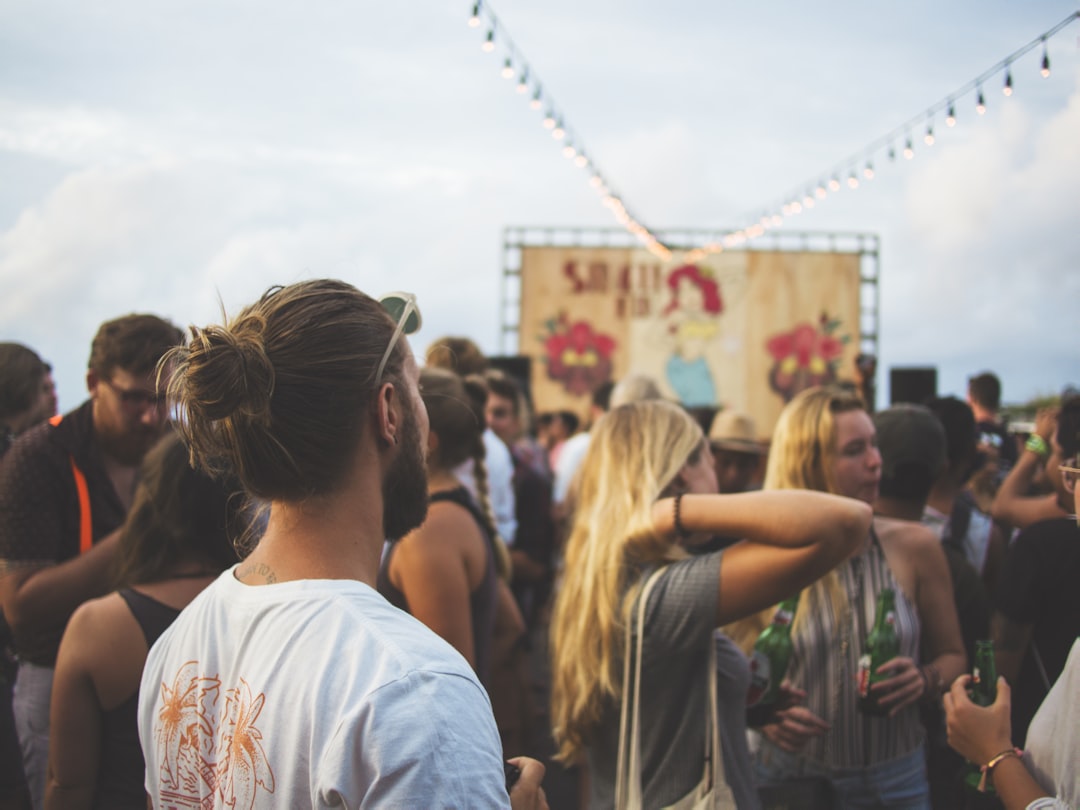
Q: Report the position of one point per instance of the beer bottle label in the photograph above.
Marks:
(782, 617)
(976, 678)
(760, 672)
(863, 677)
(890, 619)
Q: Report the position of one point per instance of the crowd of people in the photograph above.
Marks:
(278, 562)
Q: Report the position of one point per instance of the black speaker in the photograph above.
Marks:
(915, 385)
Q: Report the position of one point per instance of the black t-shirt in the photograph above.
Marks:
(1040, 586)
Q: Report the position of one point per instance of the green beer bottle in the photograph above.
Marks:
(882, 645)
(769, 663)
(983, 692)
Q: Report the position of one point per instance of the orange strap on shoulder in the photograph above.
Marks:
(86, 527)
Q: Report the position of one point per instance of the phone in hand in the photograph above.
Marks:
(513, 773)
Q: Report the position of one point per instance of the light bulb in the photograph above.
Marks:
(853, 181)
(549, 120)
(980, 103)
(523, 83)
(474, 20)
(581, 161)
(508, 69)
(489, 43)
(536, 103)
(820, 192)
(834, 185)
(558, 133)
(950, 118)
(868, 171)
(569, 151)
(909, 153)
(808, 201)
(1045, 69)
(1007, 89)
(929, 136)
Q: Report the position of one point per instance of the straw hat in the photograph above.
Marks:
(735, 431)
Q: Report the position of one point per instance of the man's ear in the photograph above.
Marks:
(388, 415)
(92, 381)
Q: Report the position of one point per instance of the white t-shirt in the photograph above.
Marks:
(1053, 738)
(500, 478)
(315, 693)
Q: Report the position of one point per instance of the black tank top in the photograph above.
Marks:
(481, 600)
(120, 771)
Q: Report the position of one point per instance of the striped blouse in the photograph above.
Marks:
(825, 658)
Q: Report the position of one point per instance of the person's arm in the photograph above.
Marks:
(980, 734)
(939, 624)
(793, 538)
(38, 599)
(75, 720)
(429, 567)
(1013, 504)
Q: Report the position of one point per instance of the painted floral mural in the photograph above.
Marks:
(576, 355)
(806, 356)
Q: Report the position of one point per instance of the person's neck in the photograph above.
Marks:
(898, 508)
(442, 480)
(983, 414)
(943, 495)
(336, 536)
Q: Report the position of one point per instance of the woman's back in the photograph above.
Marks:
(429, 572)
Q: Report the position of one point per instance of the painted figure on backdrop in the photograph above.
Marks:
(577, 356)
(692, 321)
(806, 356)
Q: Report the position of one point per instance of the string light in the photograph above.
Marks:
(549, 120)
(536, 103)
(559, 132)
(929, 137)
(1045, 69)
(980, 103)
(489, 43)
(892, 153)
(581, 161)
(868, 172)
(1007, 89)
(569, 151)
(474, 20)
(909, 153)
(508, 69)
(523, 82)
(834, 184)
(853, 181)
(820, 192)
(950, 118)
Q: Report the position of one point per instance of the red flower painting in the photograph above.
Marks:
(577, 356)
(804, 357)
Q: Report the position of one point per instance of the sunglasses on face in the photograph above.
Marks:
(402, 307)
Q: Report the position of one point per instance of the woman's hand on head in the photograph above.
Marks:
(975, 732)
(527, 794)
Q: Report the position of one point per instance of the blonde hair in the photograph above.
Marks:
(634, 455)
(802, 456)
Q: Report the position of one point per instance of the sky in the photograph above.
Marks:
(177, 157)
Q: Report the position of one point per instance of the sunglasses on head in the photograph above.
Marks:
(402, 307)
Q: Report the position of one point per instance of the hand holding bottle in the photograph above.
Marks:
(903, 685)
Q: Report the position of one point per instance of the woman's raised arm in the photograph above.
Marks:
(794, 537)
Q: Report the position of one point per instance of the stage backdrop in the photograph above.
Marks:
(743, 329)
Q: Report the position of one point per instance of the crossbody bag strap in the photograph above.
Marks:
(628, 773)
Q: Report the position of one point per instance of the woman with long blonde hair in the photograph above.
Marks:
(647, 484)
(826, 441)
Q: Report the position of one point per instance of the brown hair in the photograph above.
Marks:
(457, 354)
(179, 514)
(455, 409)
(134, 343)
(280, 392)
(21, 372)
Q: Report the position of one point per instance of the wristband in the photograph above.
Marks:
(988, 768)
(679, 528)
(1037, 445)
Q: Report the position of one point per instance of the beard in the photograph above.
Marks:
(404, 489)
(128, 445)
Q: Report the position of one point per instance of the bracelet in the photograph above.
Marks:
(988, 768)
(1037, 445)
(680, 530)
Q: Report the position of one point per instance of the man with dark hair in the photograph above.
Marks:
(65, 488)
(984, 397)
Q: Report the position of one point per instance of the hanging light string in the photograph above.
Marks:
(527, 83)
(859, 166)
